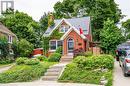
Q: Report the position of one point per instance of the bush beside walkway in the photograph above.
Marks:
(89, 70)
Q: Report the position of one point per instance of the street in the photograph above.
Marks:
(119, 79)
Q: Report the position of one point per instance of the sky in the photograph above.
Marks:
(36, 8)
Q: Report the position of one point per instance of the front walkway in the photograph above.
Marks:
(119, 79)
(5, 68)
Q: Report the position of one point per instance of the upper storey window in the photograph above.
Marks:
(64, 28)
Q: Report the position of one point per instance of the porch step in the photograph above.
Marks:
(52, 73)
(66, 59)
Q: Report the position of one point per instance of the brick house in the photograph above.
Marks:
(76, 35)
(5, 32)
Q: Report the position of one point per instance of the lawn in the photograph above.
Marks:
(88, 71)
(24, 73)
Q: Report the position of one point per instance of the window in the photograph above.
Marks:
(64, 29)
(53, 45)
(59, 43)
(10, 39)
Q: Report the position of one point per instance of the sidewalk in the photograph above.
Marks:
(46, 83)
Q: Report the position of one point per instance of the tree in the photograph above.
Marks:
(126, 27)
(4, 48)
(98, 10)
(21, 24)
(110, 36)
(24, 48)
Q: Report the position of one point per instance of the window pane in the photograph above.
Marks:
(59, 43)
(53, 45)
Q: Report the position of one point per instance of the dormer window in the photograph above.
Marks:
(64, 28)
(9, 39)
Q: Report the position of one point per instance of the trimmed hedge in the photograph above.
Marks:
(55, 57)
(26, 61)
(21, 60)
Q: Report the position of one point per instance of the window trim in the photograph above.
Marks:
(56, 45)
(50, 45)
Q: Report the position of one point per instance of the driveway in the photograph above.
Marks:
(119, 79)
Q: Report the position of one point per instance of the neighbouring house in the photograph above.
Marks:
(5, 32)
(72, 34)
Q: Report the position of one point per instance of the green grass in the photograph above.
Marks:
(80, 72)
(24, 73)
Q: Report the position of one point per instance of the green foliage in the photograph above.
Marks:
(31, 62)
(89, 70)
(93, 62)
(56, 34)
(59, 50)
(126, 26)
(55, 57)
(24, 73)
(21, 60)
(22, 25)
(99, 10)
(42, 58)
(6, 61)
(110, 36)
(4, 47)
(25, 48)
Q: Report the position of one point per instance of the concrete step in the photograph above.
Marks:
(54, 70)
(52, 73)
(50, 78)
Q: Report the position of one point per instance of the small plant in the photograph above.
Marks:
(21, 60)
(42, 58)
(32, 62)
(55, 57)
(59, 50)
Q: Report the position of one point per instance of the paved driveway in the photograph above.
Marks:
(119, 79)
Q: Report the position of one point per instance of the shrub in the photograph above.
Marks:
(21, 60)
(89, 53)
(59, 50)
(7, 61)
(23, 73)
(42, 58)
(101, 61)
(55, 57)
(31, 62)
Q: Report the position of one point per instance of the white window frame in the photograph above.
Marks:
(56, 45)
(10, 39)
(50, 45)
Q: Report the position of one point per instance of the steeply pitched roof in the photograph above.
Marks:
(5, 30)
(83, 23)
(72, 29)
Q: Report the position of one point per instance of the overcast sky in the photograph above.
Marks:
(36, 8)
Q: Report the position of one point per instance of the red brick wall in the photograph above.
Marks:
(77, 40)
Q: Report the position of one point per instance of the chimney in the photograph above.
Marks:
(50, 20)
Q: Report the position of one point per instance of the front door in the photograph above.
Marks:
(70, 46)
